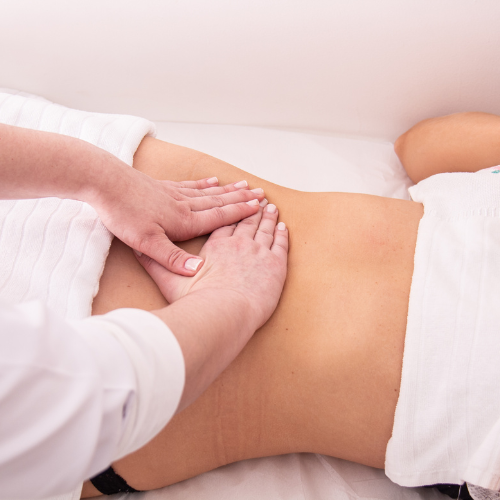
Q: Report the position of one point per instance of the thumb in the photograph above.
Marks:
(167, 282)
(171, 257)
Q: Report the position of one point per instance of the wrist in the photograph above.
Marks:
(229, 306)
(223, 309)
(105, 178)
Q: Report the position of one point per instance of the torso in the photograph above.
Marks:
(323, 374)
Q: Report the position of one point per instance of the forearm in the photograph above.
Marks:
(36, 164)
(462, 142)
(211, 328)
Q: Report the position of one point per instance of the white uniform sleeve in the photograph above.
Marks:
(75, 396)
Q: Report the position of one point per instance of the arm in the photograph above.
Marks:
(77, 394)
(214, 314)
(142, 212)
(462, 142)
(124, 374)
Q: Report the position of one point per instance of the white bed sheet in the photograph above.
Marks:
(308, 162)
(305, 161)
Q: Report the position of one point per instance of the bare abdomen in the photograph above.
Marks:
(323, 374)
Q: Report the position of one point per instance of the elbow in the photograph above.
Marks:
(401, 150)
(414, 149)
(399, 146)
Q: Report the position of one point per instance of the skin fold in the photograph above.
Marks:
(323, 374)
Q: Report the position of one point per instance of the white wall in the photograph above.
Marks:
(364, 67)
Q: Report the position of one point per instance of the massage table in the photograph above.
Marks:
(310, 95)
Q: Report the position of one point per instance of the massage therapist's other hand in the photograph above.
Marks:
(248, 260)
(148, 214)
(215, 313)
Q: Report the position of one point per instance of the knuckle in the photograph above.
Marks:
(244, 194)
(283, 245)
(182, 217)
(175, 257)
(247, 222)
(185, 209)
(218, 214)
(144, 241)
(186, 224)
(266, 230)
(270, 218)
(178, 196)
(218, 200)
(147, 262)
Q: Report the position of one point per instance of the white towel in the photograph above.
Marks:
(447, 421)
(51, 249)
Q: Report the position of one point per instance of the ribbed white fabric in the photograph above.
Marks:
(447, 421)
(52, 249)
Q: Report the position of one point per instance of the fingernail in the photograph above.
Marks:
(241, 184)
(192, 264)
(258, 191)
(253, 202)
(212, 181)
(138, 253)
(263, 203)
(271, 208)
(281, 226)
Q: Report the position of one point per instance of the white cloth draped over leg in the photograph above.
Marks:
(447, 421)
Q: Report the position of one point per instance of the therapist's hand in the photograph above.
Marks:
(144, 213)
(246, 262)
(148, 214)
(216, 312)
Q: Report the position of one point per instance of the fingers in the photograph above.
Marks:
(209, 187)
(208, 202)
(280, 243)
(201, 184)
(261, 227)
(248, 227)
(209, 220)
(267, 226)
(223, 232)
(210, 191)
(161, 276)
(170, 256)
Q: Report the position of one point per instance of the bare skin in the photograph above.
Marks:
(323, 374)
